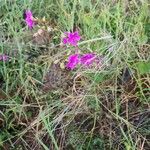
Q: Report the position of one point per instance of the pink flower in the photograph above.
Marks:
(88, 59)
(4, 57)
(73, 61)
(71, 38)
(29, 19)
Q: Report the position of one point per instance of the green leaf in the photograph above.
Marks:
(143, 67)
(143, 39)
(98, 77)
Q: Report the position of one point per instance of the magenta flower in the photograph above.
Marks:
(71, 38)
(88, 59)
(73, 61)
(29, 19)
(4, 57)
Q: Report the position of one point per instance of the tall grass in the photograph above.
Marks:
(109, 109)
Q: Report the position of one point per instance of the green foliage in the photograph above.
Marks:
(119, 108)
(142, 67)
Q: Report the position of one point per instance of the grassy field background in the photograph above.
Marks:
(46, 107)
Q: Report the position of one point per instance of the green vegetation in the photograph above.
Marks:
(46, 107)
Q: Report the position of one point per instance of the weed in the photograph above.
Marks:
(44, 105)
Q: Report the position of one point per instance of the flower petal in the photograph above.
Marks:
(4, 57)
(65, 40)
(88, 59)
(73, 61)
(29, 19)
(72, 38)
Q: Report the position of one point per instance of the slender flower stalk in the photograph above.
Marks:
(85, 60)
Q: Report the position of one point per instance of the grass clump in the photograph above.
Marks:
(44, 105)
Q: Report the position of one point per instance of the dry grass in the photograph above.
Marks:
(45, 106)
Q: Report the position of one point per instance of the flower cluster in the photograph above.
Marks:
(85, 60)
(76, 59)
(71, 38)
